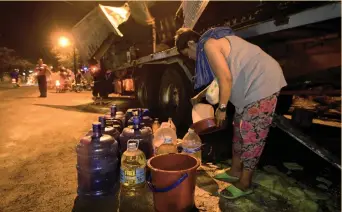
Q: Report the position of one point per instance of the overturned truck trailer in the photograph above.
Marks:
(304, 37)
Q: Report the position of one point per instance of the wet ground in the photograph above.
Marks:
(37, 162)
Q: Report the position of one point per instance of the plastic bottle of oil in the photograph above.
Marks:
(159, 136)
(133, 167)
(167, 147)
(192, 144)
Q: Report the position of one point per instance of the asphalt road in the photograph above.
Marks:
(37, 155)
(37, 147)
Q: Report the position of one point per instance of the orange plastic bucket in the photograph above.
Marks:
(173, 181)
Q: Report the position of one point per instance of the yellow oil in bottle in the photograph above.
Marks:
(133, 167)
(167, 147)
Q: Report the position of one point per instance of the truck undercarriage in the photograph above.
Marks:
(304, 37)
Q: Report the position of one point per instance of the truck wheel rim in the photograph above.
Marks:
(171, 96)
(142, 93)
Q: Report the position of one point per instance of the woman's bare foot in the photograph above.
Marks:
(241, 186)
(233, 173)
(236, 168)
(245, 181)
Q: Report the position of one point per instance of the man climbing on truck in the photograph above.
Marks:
(247, 77)
(99, 76)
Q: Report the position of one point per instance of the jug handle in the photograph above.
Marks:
(134, 140)
(167, 189)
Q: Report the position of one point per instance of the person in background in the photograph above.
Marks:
(78, 77)
(99, 78)
(15, 75)
(109, 87)
(247, 77)
(42, 71)
(63, 77)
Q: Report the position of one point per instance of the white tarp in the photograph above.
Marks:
(116, 15)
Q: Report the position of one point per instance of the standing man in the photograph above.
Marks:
(78, 77)
(42, 70)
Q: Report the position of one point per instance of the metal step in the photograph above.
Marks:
(285, 125)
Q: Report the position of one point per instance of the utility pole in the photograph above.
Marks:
(75, 65)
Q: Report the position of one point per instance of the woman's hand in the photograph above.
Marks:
(220, 117)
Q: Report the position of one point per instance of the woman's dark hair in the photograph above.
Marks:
(183, 36)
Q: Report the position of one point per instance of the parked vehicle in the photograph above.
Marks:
(15, 83)
(62, 87)
(283, 29)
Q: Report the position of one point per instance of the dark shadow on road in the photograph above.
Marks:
(4, 89)
(27, 97)
(87, 108)
(99, 204)
(92, 108)
(140, 200)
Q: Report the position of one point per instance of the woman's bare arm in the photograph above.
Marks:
(216, 57)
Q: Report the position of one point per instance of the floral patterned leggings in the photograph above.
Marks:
(251, 128)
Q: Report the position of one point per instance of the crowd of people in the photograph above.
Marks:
(101, 80)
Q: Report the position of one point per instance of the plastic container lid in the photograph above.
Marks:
(131, 146)
(97, 129)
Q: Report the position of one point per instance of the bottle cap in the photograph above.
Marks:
(131, 146)
(102, 121)
(96, 130)
(136, 122)
(140, 112)
(113, 110)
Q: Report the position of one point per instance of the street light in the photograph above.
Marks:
(64, 42)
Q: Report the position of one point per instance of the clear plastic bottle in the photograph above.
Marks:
(192, 144)
(169, 124)
(155, 125)
(159, 136)
(167, 147)
(133, 167)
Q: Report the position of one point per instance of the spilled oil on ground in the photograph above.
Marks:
(273, 191)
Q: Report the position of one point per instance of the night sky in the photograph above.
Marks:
(27, 26)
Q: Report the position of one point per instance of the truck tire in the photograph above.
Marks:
(174, 97)
(147, 91)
